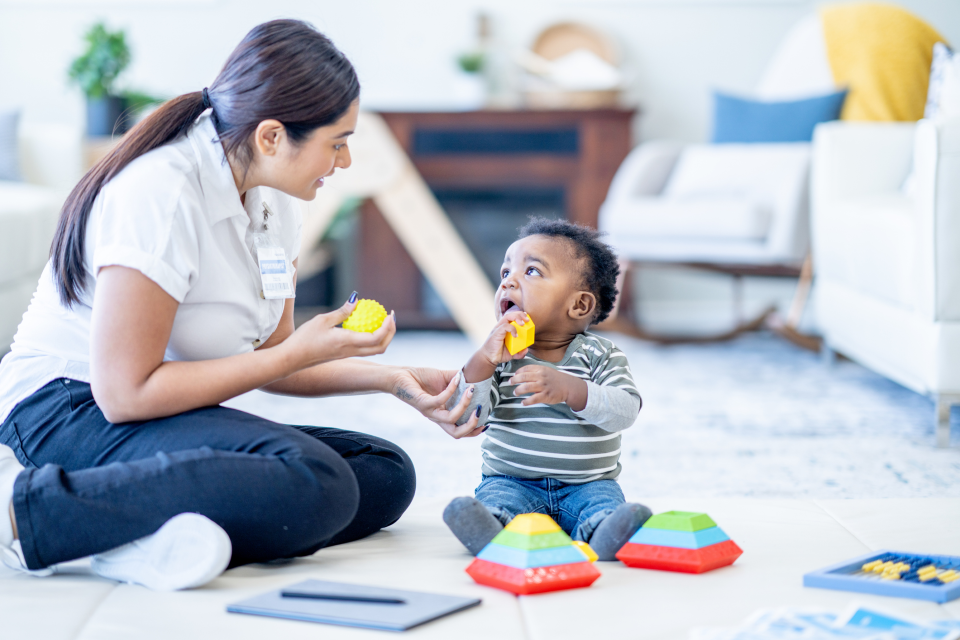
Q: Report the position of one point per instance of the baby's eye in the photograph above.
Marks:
(337, 147)
(532, 271)
(504, 273)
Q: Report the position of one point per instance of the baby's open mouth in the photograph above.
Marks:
(508, 305)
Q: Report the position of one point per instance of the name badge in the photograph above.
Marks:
(276, 273)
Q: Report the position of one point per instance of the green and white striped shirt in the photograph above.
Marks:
(554, 441)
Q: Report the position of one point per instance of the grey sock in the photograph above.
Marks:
(470, 521)
(617, 529)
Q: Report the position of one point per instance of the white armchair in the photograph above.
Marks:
(742, 204)
(738, 208)
(51, 163)
(887, 263)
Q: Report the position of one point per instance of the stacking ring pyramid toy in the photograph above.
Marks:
(532, 555)
(679, 541)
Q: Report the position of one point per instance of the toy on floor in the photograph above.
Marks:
(893, 573)
(533, 555)
(366, 317)
(587, 551)
(679, 541)
(524, 337)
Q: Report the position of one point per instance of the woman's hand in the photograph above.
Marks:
(428, 390)
(320, 340)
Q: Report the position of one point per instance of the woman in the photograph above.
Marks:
(169, 291)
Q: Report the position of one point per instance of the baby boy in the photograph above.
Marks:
(554, 411)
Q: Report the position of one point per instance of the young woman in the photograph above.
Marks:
(169, 291)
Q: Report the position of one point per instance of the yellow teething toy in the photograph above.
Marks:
(366, 317)
(524, 337)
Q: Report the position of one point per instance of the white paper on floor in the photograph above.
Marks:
(857, 621)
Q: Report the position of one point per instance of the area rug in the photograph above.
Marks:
(752, 417)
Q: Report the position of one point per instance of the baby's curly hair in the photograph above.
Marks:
(600, 262)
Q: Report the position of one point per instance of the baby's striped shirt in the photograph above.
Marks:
(541, 441)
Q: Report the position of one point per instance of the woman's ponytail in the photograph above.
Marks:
(172, 119)
(283, 69)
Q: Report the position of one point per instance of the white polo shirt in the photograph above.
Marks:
(173, 214)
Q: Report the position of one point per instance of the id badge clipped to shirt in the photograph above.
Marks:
(276, 273)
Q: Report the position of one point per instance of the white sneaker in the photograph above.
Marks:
(10, 468)
(12, 558)
(189, 550)
(10, 554)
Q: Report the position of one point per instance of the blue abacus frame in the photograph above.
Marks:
(838, 577)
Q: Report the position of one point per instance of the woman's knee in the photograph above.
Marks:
(336, 494)
(395, 476)
(380, 466)
(403, 473)
(322, 488)
(387, 483)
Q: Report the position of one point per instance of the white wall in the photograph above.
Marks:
(675, 50)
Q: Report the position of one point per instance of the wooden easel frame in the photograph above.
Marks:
(383, 172)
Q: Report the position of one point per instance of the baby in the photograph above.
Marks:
(554, 411)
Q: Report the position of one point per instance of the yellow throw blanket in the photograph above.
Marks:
(883, 54)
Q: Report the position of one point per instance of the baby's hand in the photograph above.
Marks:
(493, 351)
(548, 386)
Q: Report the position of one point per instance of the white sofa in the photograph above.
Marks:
(886, 258)
(51, 162)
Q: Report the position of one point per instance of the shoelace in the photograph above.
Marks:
(12, 558)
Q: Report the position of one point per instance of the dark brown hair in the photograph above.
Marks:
(284, 70)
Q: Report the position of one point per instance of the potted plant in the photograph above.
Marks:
(96, 70)
(470, 88)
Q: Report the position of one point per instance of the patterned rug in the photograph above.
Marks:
(752, 417)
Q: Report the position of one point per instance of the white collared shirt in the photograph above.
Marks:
(173, 214)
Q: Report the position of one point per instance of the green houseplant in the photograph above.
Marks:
(95, 71)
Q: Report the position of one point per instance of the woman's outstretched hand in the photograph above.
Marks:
(428, 390)
(320, 339)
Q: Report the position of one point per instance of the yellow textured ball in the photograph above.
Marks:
(366, 317)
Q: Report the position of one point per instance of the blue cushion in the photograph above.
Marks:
(743, 120)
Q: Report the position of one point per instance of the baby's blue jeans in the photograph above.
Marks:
(578, 508)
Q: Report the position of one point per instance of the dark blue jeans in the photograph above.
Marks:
(278, 491)
(578, 508)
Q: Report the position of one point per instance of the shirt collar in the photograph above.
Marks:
(220, 197)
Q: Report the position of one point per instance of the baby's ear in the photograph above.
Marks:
(583, 305)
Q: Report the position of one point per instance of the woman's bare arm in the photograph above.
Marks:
(130, 328)
(427, 390)
(340, 377)
(337, 378)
